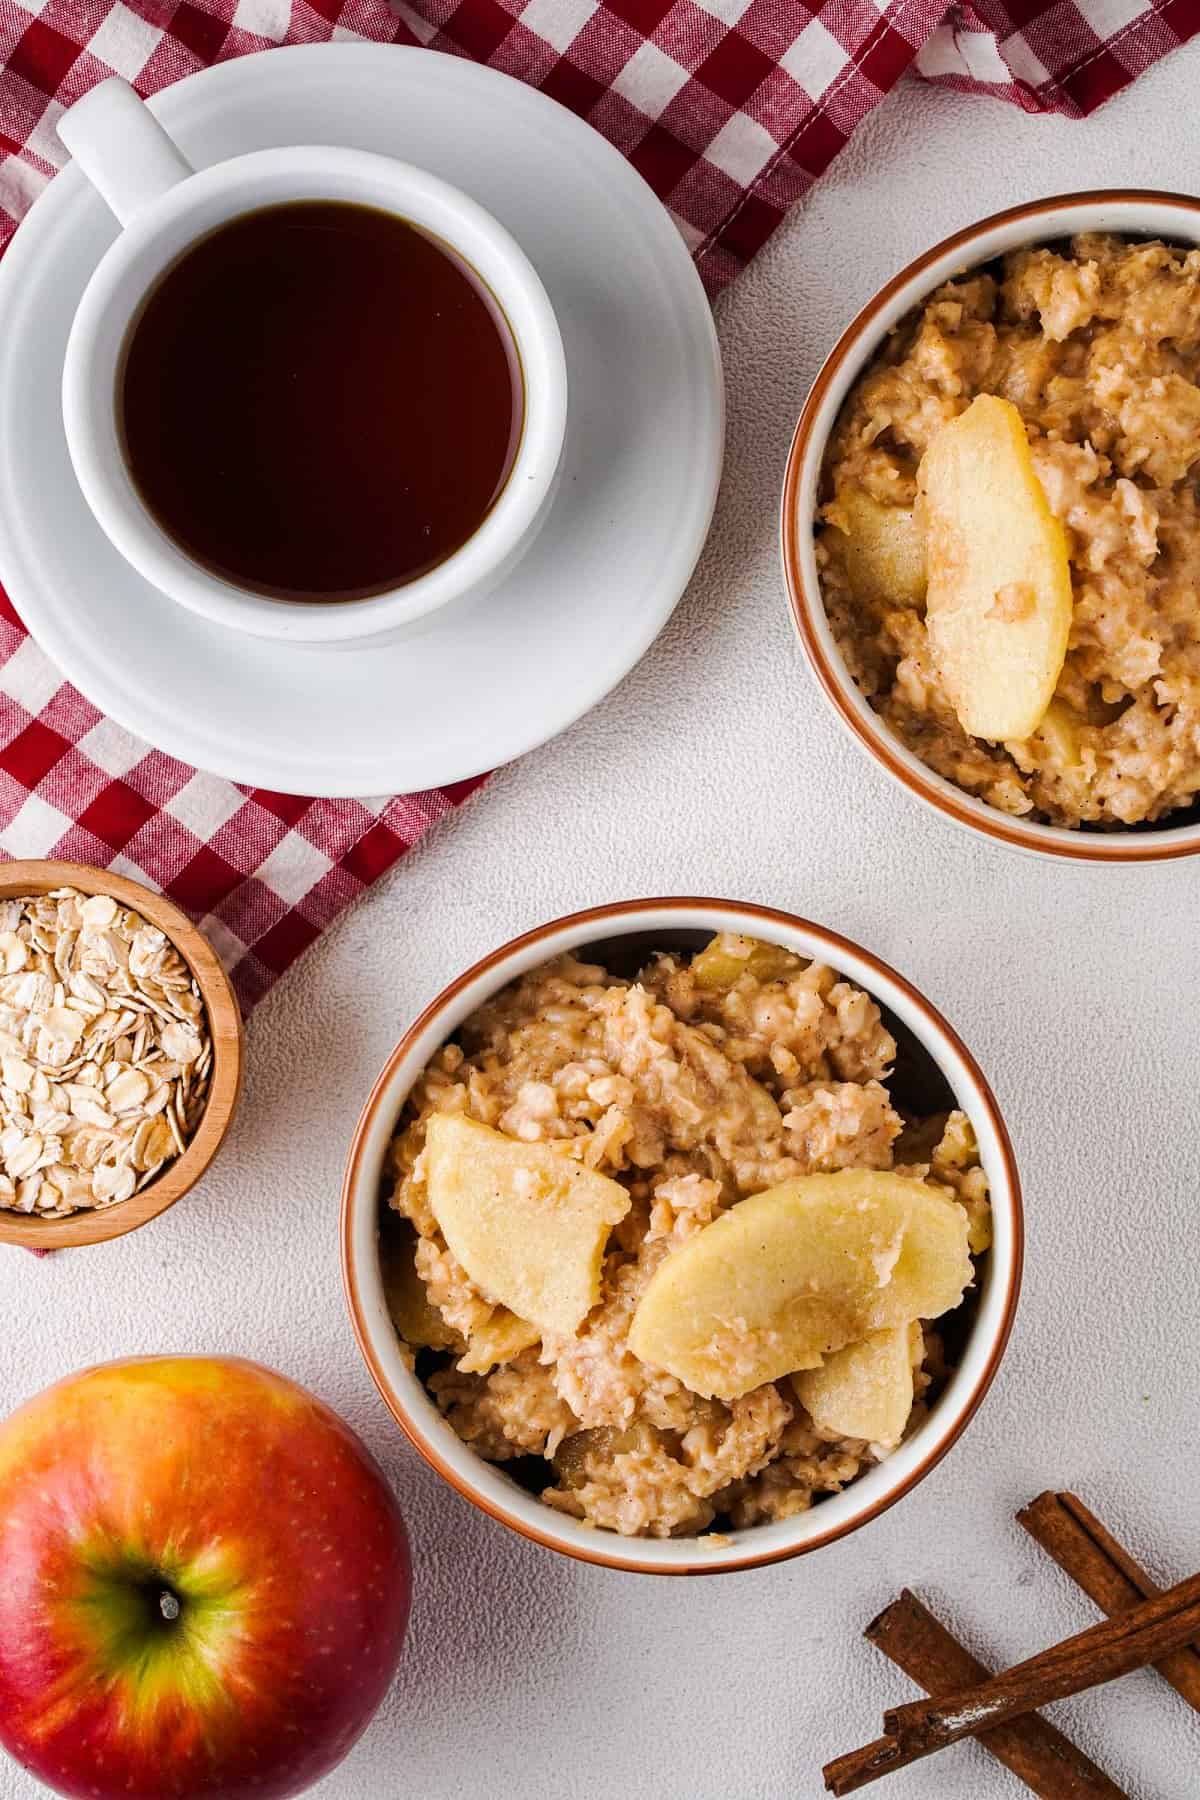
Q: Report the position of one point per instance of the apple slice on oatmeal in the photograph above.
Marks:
(789, 1275)
(527, 1223)
(998, 595)
(865, 1390)
(885, 553)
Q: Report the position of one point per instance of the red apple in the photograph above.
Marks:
(204, 1583)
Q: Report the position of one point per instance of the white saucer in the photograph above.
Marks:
(486, 679)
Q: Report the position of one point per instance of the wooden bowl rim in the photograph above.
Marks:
(95, 1225)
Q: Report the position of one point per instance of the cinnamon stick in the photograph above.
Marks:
(1144, 1634)
(1088, 1552)
(1048, 1763)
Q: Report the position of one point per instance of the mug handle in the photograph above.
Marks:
(122, 148)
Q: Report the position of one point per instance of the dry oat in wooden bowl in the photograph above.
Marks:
(120, 1054)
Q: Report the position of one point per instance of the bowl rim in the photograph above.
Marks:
(637, 917)
(1156, 844)
(94, 1225)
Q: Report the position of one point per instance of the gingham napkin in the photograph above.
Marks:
(729, 108)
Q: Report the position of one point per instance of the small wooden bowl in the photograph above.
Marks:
(94, 1225)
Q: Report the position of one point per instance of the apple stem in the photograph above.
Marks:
(168, 1605)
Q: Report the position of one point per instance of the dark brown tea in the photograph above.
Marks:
(320, 402)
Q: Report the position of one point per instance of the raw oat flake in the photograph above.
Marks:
(105, 1052)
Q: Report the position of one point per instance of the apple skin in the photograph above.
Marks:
(259, 1513)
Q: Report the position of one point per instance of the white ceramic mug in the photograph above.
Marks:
(165, 206)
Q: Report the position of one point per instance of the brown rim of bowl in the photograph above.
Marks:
(597, 915)
(879, 741)
(99, 1224)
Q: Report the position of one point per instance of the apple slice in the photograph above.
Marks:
(933, 1269)
(866, 1390)
(727, 957)
(414, 1315)
(1058, 731)
(503, 1337)
(885, 552)
(527, 1223)
(998, 601)
(789, 1275)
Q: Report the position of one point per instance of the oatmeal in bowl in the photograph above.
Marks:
(681, 1235)
(991, 533)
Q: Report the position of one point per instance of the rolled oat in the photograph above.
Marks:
(105, 1053)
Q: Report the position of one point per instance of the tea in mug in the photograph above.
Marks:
(319, 401)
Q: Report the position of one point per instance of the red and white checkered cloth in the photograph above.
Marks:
(729, 108)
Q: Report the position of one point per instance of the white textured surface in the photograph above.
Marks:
(717, 768)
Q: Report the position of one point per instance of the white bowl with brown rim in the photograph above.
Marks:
(935, 1058)
(1124, 212)
(94, 1225)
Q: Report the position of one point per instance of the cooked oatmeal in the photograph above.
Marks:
(1098, 347)
(700, 1083)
